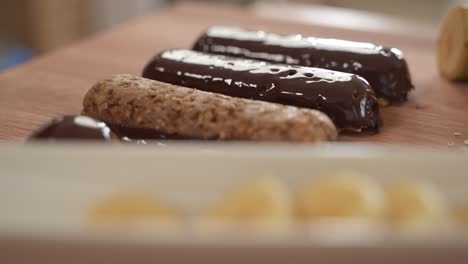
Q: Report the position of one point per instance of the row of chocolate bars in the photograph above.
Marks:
(237, 84)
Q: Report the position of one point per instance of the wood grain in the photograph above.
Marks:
(56, 83)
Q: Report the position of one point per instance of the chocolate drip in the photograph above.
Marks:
(384, 68)
(73, 128)
(347, 99)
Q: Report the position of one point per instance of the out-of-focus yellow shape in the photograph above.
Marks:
(414, 205)
(461, 216)
(130, 208)
(342, 197)
(262, 202)
(452, 51)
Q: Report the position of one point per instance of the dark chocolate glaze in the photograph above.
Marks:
(86, 128)
(73, 128)
(347, 99)
(384, 68)
(143, 135)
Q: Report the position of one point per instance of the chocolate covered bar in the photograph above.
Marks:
(346, 98)
(136, 102)
(384, 68)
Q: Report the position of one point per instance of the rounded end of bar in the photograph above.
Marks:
(368, 109)
(395, 83)
(148, 70)
(328, 130)
(201, 43)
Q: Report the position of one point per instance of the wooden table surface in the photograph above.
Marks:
(55, 83)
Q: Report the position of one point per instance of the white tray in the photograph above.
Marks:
(44, 191)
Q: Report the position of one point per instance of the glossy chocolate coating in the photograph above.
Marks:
(384, 68)
(73, 128)
(132, 134)
(347, 99)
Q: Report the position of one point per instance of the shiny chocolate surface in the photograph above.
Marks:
(73, 128)
(384, 68)
(86, 128)
(348, 99)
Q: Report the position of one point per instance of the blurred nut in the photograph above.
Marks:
(339, 197)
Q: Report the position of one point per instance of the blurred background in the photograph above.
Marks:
(29, 28)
